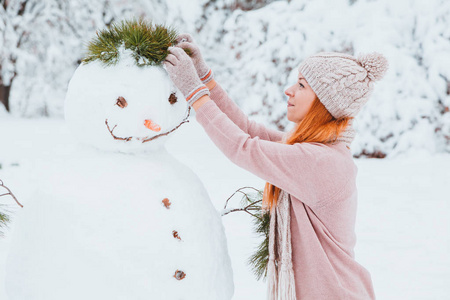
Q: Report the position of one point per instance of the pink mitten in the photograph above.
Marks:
(184, 75)
(186, 41)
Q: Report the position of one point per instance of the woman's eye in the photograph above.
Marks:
(301, 85)
(172, 98)
(121, 102)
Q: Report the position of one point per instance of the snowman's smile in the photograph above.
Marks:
(150, 125)
(116, 137)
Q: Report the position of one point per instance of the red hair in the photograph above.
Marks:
(318, 126)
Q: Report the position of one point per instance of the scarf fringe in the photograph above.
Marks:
(272, 288)
(281, 285)
(286, 283)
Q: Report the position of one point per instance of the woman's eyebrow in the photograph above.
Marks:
(300, 78)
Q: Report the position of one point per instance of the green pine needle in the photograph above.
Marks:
(260, 258)
(4, 220)
(261, 221)
(149, 43)
(251, 198)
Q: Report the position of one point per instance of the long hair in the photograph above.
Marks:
(318, 126)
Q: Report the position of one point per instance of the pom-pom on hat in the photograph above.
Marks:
(342, 82)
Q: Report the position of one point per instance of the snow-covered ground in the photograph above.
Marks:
(403, 227)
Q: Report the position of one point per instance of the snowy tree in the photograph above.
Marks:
(244, 4)
(12, 36)
(43, 42)
(256, 52)
(261, 42)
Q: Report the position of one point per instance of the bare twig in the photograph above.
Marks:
(247, 208)
(147, 139)
(185, 120)
(239, 191)
(9, 193)
(239, 209)
(116, 137)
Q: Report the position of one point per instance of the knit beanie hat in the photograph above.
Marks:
(342, 82)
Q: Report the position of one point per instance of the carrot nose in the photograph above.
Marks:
(152, 125)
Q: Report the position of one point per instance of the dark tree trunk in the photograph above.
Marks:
(4, 95)
(6, 89)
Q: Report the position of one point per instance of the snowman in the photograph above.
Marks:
(116, 216)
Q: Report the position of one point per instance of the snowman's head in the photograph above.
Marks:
(127, 106)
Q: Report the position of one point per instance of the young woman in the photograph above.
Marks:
(311, 176)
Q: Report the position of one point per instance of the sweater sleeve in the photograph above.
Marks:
(297, 169)
(232, 110)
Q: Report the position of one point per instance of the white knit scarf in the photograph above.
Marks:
(280, 273)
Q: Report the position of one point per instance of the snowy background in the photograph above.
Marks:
(402, 225)
(254, 47)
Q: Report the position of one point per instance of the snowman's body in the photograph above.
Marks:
(126, 220)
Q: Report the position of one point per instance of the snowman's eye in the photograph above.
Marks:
(172, 98)
(121, 102)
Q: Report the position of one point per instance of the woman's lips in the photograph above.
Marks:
(289, 104)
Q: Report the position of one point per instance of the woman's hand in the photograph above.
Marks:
(186, 41)
(182, 71)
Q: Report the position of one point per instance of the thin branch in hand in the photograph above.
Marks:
(251, 205)
(239, 191)
(259, 260)
(9, 193)
(246, 209)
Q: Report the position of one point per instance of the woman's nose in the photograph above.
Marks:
(288, 92)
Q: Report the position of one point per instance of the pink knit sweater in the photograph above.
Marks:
(321, 180)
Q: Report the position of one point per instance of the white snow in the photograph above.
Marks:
(94, 217)
(256, 53)
(91, 102)
(402, 223)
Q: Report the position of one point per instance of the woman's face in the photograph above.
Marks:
(301, 97)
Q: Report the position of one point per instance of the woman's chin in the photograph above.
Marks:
(291, 119)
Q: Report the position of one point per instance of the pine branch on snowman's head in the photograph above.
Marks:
(121, 97)
(147, 42)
